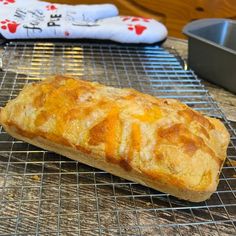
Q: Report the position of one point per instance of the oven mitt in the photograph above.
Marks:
(22, 19)
(30, 11)
(123, 29)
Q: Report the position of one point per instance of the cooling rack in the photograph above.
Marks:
(42, 193)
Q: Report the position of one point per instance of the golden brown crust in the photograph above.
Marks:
(163, 184)
(160, 143)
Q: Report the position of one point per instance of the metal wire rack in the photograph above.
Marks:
(42, 193)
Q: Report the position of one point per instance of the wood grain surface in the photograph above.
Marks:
(173, 13)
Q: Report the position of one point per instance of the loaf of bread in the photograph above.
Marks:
(160, 143)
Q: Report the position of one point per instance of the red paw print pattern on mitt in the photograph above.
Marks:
(6, 2)
(8, 25)
(137, 27)
(51, 7)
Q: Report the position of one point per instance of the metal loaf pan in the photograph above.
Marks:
(212, 50)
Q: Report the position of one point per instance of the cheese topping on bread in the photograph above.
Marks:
(141, 137)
